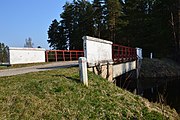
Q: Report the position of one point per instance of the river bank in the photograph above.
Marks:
(159, 68)
(159, 81)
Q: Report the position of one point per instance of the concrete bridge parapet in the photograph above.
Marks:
(97, 51)
(99, 58)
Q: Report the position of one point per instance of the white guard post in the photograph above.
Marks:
(151, 55)
(83, 70)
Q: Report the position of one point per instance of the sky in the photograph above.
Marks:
(21, 19)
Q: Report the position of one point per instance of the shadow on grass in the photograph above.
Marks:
(70, 78)
(61, 66)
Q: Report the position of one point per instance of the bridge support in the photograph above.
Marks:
(104, 69)
(110, 71)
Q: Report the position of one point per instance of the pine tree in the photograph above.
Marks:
(113, 17)
(56, 36)
(99, 18)
(77, 20)
(67, 23)
(4, 53)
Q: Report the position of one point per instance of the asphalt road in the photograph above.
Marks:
(50, 66)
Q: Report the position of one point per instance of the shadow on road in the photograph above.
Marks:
(61, 66)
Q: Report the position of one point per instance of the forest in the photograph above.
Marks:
(153, 25)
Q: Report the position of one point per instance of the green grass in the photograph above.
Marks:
(58, 94)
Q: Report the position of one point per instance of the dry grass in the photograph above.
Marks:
(58, 94)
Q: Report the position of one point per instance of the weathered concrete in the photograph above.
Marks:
(26, 55)
(139, 53)
(122, 68)
(104, 70)
(97, 50)
(110, 71)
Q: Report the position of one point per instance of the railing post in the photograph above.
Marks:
(56, 55)
(63, 56)
(151, 55)
(70, 56)
(76, 55)
(47, 59)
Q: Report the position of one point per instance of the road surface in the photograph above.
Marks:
(50, 66)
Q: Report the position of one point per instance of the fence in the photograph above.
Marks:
(123, 53)
(63, 55)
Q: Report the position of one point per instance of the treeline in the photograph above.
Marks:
(3, 53)
(149, 24)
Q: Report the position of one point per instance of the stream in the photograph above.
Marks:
(166, 91)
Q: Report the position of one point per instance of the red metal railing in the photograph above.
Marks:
(119, 54)
(63, 55)
(123, 53)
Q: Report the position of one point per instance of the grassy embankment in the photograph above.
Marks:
(159, 68)
(58, 94)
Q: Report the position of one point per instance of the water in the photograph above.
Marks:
(166, 91)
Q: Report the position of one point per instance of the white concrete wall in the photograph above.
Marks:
(139, 53)
(122, 68)
(97, 50)
(26, 55)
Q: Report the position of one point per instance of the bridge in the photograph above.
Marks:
(103, 57)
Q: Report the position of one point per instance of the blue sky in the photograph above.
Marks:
(20, 19)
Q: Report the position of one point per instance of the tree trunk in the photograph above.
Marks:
(175, 22)
(178, 39)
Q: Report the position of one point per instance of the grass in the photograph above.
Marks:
(58, 94)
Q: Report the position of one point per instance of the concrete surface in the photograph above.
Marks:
(97, 50)
(26, 55)
(50, 66)
(122, 68)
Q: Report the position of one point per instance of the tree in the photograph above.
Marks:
(77, 20)
(113, 17)
(166, 18)
(175, 23)
(178, 21)
(99, 18)
(137, 23)
(148, 25)
(56, 37)
(3, 53)
(28, 43)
